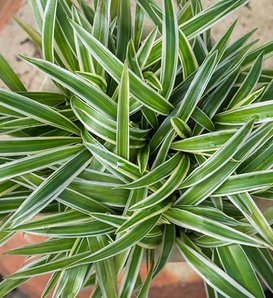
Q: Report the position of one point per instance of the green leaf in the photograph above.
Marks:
(239, 268)
(262, 112)
(147, 7)
(38, 8)
(186, 55)
(247, 182)
(120, 164)
(201, 191)
(141, 216)
(252, 213)
(143, 159)
(153, 81)
(94, 79)
(189, 220)
(124, 242)
(124, 28)
(101, 27)
(262, 261)
(212, 274)
(35, 162)
(33, 34)
(220, 157)
(35, 110)
(139, 25)
(248, 84)
(168, 241)
(86, 64)
(131, 272)
(144, 290)
(51, 188)
(181, 128)
(46, 247)
(23, 146)
(54, 219)
(78, 86)
(106, 274)
(144, 51)
(202, 119)
(189, 102)
(141, 91)
(107, 129)
(9, 77)
(168, 187)
(76, 230)
(209, 17)
(49, 20)
(155, 175)
(123, 142)
(169, 58)
(204, 142)
(202, 22)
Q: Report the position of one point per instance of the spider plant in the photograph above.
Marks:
(154, 140)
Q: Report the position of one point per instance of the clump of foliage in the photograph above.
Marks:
(154, 140)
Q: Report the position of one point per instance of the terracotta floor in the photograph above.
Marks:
(7, 9)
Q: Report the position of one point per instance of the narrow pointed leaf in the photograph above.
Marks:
(49, 20)
(35, 110)
(212, 274)
(123, 142)
(141, 91)
(238, 266)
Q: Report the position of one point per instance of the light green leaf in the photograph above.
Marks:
(212, 274)
(124, 242)
(238, 267)
(51, 188)
(9, 77)
(220, 157)
(131, 272)
(247, 182)
(141, 91)
(252, 213)
(168, 187)
(204, 143)
(35, 110)
(23, 146)
(262, 261)
(248, 84)
(262, 112)
(189, 102)
(35, 162)
(189, 220)
(155, 175)
(49, 19)
(123, 142)
(186, 55)
(169, 58)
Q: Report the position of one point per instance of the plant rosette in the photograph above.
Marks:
(151, 142)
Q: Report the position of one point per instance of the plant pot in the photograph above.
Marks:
(176, 280)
